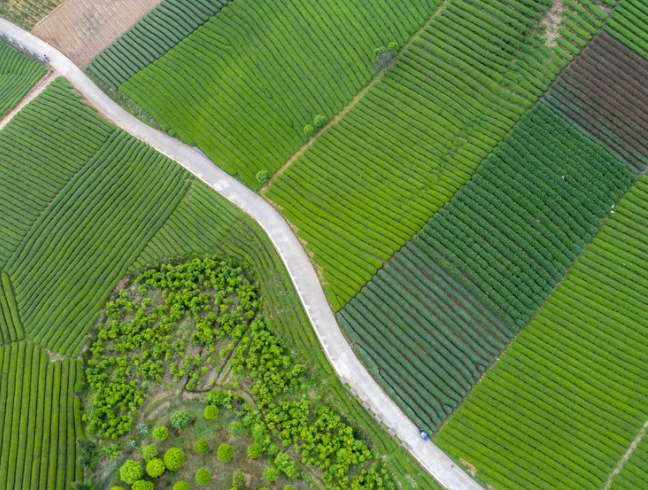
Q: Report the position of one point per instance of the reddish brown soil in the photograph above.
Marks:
(82, 28)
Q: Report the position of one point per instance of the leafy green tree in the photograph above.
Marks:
(271, 474)
(235, 428)
(149, 452)
(239, 479)
(262, 176)
(130, 471)
(179, 419)
(181, 485)
(287, 465)
(117, 488)
(174, 458)
(142, 485)
(254, 450)
(309, 130)
(225, 453)
(201, 445)
(203, 476)
(88, 453)
(211, 412)
(220, 398)
(161, 433)
(112, 451)
(155, 468)
(319, 122)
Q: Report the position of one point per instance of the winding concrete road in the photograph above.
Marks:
(303, 275)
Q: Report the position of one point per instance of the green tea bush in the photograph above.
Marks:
(174, 458)
(142, 485)
(201, 445)
(130, 471)
(239, 479)
(271, 474)
(211, 412)
(149, 452)
(155, 468)
(181, 485)
(254, 450)
(203, 476)
(161, 433)
(225, 453)
(179, 419)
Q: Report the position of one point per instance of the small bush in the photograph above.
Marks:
(211, 412)
(236, 428)
(161, 433)
(239, 479)
(392, 46)
(203, 476)
(130, 471)
(225, 453)
(220, 398)
(289, 487)
(174, 458)
(117, 488)
(254, 450)
(309, 130)
(271, 474)
(262, 176)
(179, 419)
(181, 485)
(201, 445)
(142, 485)
(112, 451)
(149, 452)
(319, 122)
(155, 468)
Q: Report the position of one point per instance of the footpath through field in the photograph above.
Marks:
(302, 272)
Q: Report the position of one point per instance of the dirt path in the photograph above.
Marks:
(552, 20)
(626, 456)
(82, 28)
(379, 76)
(31, 95)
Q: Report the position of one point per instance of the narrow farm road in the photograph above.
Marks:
(302, 272)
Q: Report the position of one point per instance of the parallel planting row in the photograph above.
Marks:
(82, 244)
(243, 86)
(604, 92)
(26, 13)
(151, 37)
(634, 474)
(56, 129)
(11, 329)
(563, 405)
(368, 184)
(445, 306)
(18, 74)
(39, 419)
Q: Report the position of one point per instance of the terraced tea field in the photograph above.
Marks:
(565, 402)
(18, 74)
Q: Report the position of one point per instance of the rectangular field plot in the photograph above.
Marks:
(566, 400)
(443, 308)
(55, 128)
(243, 86)
(368, 184)
(40, 419)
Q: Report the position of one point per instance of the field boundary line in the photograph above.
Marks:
(302, 273)
(357, 98)
(34, 92)
(624, 459)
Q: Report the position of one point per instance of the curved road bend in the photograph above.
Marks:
(303, 275)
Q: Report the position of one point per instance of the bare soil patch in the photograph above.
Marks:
(82, 28)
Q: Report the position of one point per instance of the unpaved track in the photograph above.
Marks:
(82, 28)
(301, 271)
(29, 96)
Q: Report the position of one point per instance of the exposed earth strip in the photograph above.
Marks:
(301, 270)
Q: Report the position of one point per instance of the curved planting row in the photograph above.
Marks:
(39, 419)
(445, 306)
(11, 329)
(604, 92)
(55, 128)
(372, 181)
(85, 240)
(564, 404)
(18, 74)
(151, 37)
(243, 86)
